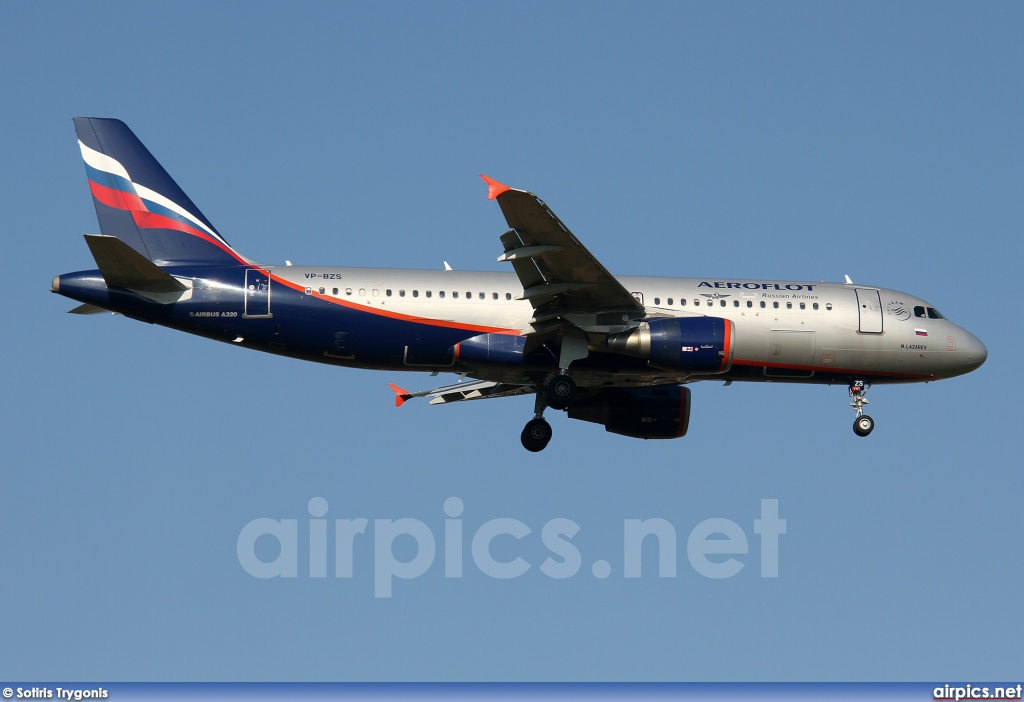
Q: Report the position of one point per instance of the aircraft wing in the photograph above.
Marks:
(473, 390)
(563, 281)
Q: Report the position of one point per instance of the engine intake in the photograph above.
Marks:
(698, 344)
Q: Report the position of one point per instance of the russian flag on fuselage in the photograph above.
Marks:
(138, 202)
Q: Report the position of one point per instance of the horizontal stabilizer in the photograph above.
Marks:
(87, 309)
(124, 267)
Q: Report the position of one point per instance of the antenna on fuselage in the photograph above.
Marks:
(848, 281)
(446, 266)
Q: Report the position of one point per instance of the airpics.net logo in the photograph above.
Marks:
(270, 548)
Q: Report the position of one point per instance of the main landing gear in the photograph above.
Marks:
(557, 394)
(863, 424)
(537, 432)
(560, 391)
(536, 435)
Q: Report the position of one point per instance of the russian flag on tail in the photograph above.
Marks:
(140, 204)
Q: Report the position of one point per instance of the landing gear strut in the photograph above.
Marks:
(537, 432)
(863, 424)
(558, 393)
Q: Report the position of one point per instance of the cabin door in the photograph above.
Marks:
(869, 306)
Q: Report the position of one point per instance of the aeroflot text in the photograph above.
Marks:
(753, 286)
(711, 546)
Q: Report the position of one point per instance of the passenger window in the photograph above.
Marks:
(762, 304)
(334, 292)
(803, 306)
(376, 292)
(775, 305)
(469, 296)
(508, 296)
(750, 303)
(682, 302)
(388, 292)
(429, 293)
(322, 291)
(710, 302)
(919, 311)
(735, 303)
(789, 305)
(482, 296)
(401, 293)
(723, 303)
(494, 296)
(657, 300)
(348, 291)
(828, 305)
(815, 305)
(362, 292)
(669, 302)
(440, 293)
(415, 293)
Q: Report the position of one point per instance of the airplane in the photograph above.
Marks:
(618, 351)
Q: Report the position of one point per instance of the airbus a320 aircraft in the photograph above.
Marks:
(615, 350)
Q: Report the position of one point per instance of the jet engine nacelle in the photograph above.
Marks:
(697, 344)
(499, 349)
(642, 413)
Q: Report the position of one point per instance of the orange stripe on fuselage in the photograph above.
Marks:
(829, 369)
(395, 315)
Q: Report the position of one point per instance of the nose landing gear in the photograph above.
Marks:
(863, 424)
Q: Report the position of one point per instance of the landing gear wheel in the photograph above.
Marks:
(560, 391)
(863, 425)
(536, 435)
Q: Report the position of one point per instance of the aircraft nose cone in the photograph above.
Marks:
(976, 352)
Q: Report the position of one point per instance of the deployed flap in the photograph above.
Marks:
(124, 267)
(556, 270)
(473, 390)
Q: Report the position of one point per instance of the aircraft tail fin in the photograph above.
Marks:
(140, 204)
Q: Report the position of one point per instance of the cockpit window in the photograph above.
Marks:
(934, 314)
(919, 311)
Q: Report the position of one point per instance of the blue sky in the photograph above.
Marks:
(788, 141)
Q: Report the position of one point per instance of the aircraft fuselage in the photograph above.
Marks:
(613, 350)
(412, 320)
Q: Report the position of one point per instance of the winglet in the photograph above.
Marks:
(494, 188)
(400, 395)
